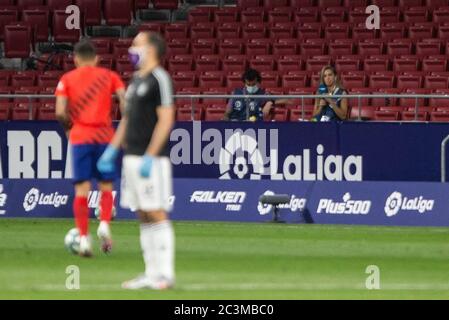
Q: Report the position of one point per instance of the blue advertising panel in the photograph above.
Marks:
(322, 202)
(380, 203)
(350, 151)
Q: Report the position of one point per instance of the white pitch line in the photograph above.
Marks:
(247, 287)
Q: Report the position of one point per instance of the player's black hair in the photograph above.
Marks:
(251, 75)
(85, 50)
(157, 41)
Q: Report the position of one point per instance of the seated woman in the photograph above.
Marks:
(332, 108)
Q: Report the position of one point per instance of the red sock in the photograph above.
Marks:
(81, 211)
(106, 204)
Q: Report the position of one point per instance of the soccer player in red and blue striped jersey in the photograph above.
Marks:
(84, 106)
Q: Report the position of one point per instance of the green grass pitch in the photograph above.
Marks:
(232, 261)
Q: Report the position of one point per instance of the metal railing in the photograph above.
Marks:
(443, 159)
(359, 97)
(192, 97)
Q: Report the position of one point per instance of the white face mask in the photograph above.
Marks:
(138, 55)
(252, 89)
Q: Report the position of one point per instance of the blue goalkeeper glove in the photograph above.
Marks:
(145, 167)
(106, 163)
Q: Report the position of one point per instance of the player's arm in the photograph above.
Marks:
(120, 92)
(61, 112)
(119, 135)
(161, 133)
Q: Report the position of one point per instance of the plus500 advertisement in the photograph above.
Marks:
(364, 203)
(349, 151)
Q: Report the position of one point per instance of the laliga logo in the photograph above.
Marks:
(35, 197)
(237, 144)
(393, 204)
(265, 208)
(396, 202)
(3, 198)
(31, 199)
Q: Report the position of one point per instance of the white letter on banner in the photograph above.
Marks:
(49, 147)
(73, 20)
(373, 21)
(21, 153)
(180, 152)
(68, 163)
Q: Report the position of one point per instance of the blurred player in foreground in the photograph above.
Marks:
(146, 174)
(84, 106)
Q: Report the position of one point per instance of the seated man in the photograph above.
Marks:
(243, 109)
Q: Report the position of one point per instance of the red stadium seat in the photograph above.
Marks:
(272, 4)
(23, 111)
(7, 16)
(117, 12)
(165, 4)
(58, 4)
(102, 45)
(198, 15)
(286, 65)
(23, 80)
(387, 115)
(211, 81)
(185, 114)
(345, 65)
(433, 82)
(411, 116)
(439, 116)
(370, 49)
(251, 16)
(353, 81)
(233, 65)
(297, 115)
(180, 81)
(46, 112)
(60, 31)
(426, 48)
(440, 102)
(91, 10)
(402, 65)
(224, 15)
(25, 4)
(291, 81)
(17, 41)
(39, 19)
(378, 81)
(411, 102)
(5, 108)
(280, 115)
(214, 114)
(312, 49)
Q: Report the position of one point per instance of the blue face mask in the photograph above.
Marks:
(252, 89)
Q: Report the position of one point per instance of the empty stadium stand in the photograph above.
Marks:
(289, 41)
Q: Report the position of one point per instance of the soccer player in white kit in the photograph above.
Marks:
(146, 174)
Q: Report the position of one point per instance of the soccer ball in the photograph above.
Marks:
(72, 241)
(97, 213)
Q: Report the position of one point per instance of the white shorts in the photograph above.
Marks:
(147, 194)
